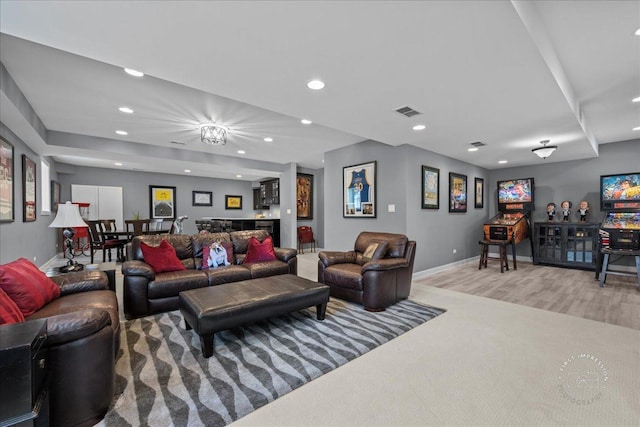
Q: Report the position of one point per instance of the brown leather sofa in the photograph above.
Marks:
(146, 292)
(83, 338)
(376, 283)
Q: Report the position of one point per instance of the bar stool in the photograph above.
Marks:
(502, 252)
(622, 252)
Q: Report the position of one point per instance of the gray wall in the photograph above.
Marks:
(27, 239)
(574, 180)
(436, 232)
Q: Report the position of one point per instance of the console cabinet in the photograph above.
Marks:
(566, 244)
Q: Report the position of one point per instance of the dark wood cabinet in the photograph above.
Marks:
(270, 192)
(257, 200)
(566, 244)
(23, 372)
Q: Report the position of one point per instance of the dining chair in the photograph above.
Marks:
(99, 241)
(137, 227)
(305, 235)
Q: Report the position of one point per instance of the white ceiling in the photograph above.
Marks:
(507, 73)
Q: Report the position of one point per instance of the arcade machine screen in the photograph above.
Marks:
(515, 201)
(620, 199)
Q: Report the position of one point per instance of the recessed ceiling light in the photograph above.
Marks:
(419, 127)
(134, 73)
(241, 152)
(472, 149)
(238, 176)
(636, 99)
(187, 170)
(638, 32)
(636, 128)
(502, 162)
(315, 84)
(306, 122)
(268, 139)
(126, 110)
(122, 132)
(118, 164)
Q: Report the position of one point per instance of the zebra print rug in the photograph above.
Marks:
(162, 378)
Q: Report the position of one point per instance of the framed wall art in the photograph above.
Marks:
(457, 192)
(7, 174)
(304, 196)
(202, 198)
(55, 196)
(162, 202)
(359, 190)
(28, 189)
(478, 194)
(232, 202)
(430, 187)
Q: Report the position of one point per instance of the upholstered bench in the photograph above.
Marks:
(216, 308)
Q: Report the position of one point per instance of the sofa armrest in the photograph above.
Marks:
(285, 254)
(81, 281)
(138, 268)
(68, 327)
(328, 258)
(385, 264)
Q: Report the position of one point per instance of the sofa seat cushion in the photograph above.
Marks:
(267, 268)
(105, 300)
(344, 275)
(228, 274)
(172, 283)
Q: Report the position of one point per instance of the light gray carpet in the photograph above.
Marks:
(162, 378)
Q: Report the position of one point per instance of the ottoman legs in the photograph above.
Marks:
(206, 344)
(321, 309)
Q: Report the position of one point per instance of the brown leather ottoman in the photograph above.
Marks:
(217, 308)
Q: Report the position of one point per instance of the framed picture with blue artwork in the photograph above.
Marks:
(359, 190)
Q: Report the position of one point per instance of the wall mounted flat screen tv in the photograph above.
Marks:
(516, 195)
(620, 191)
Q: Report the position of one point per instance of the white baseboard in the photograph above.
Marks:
(47, 265)
(475, 259)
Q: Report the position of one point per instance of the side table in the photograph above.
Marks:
(108, 267)
(23, 368)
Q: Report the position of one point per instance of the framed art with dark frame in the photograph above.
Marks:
(232, 202)
(304, 196)
(7, 179)
(457, 192)
(28, 189)
(55, 195)
(478, 194)
(430, 187)
(359, 190)
(202, 198)
(162, 202)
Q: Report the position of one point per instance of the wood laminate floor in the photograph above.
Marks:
(562, 290)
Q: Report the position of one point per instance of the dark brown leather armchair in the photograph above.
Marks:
(375, 276)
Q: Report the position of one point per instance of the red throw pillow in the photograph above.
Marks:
(9, 311)
(257, 251)
(27, 286)
(161, 258)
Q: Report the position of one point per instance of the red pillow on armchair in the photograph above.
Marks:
(257, 251)
(161, 258)
(27, 286)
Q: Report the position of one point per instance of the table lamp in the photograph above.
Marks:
(68, 217)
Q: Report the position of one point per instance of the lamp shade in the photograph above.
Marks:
(68, 216)
(544, 152)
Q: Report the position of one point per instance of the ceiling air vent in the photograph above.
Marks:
(407, 111)
(478, 144)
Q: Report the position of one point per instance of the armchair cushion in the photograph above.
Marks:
(9, 311)
(81, 281)
(27, 286)
(375, 250)
(161, 258)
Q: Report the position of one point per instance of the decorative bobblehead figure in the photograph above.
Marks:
(583, 210)
(566, 210)
(551, 211)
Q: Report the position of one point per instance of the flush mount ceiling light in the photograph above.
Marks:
(126, 110)
(268, 139)
(305, 121)
(122, 132)
(419, 127)
(544, 151)
(636, 99)
(213, 134)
